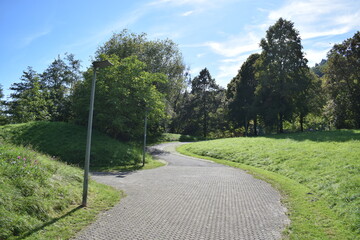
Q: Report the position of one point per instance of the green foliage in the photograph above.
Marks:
(67, 142)
(343, 84)
(29, 102)
(319, 68)
(45, 96)
(58, 81)
(325, 162)
(203, 109)
(241, 94)
(160, 56)
(282, 74)
(124, 93)
(3, 117)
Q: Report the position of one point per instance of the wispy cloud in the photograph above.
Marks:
(235, 45)
(99, 36)
(318, 18)
(188, 13)
(34, 36)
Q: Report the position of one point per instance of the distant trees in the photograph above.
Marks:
(29, 100)
(45, 96)
(201, 110)
(273, 90)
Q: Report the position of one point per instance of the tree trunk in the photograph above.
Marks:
(246, 126)
(255, 126)
(281, 128)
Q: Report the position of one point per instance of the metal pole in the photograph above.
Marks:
(88, 142)
(144, 149)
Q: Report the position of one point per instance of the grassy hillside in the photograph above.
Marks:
(40, 197)
(68, 142)
(325, 163)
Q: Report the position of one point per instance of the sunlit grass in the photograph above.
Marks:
(40, 197)
(325, 165)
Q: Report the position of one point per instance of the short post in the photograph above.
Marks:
(145, 130)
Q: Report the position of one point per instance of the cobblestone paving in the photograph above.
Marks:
(189, 199)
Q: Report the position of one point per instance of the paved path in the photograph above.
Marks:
(189, 199)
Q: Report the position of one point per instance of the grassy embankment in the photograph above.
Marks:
(40, 195)
(67, 142)
(318, 174)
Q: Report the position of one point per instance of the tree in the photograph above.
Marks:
(281, 71)
(125, 92)
(241, 94)
(58, 81)
(159, 56)
(319, 68)
(204, 90)
(3, 118)
(342, 82)
(310, 98)
(29, 101)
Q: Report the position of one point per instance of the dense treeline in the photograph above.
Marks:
(274, 91)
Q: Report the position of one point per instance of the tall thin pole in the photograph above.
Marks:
(88, 142)
(145, 127)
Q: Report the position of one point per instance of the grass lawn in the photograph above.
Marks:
(318, 174)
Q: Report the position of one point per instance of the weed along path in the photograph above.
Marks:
(189, 199)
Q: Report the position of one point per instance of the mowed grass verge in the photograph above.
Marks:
(318, 174)
(40, 197)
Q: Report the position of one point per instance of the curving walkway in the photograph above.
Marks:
(189, 199)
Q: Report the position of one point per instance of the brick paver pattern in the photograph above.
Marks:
(189, 199)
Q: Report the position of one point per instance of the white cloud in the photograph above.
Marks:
(226, 72)
(318, 18)
(235, 45)
(31, 38)
(316, 55)
(188, 13)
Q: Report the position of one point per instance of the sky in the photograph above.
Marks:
(216, 34)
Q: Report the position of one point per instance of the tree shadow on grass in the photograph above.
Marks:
(320, 136)
(53, 221)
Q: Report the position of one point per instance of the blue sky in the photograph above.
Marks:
(217, 34)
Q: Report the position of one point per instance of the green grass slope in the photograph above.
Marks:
(68, 142)
(40, 197)
(326, 165)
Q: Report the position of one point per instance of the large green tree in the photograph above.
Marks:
(241, 94)
(29, 101)
(343, 82)
(125, 92)
(58, 81)
(205, 100)
(160, 56)
(282, 70)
